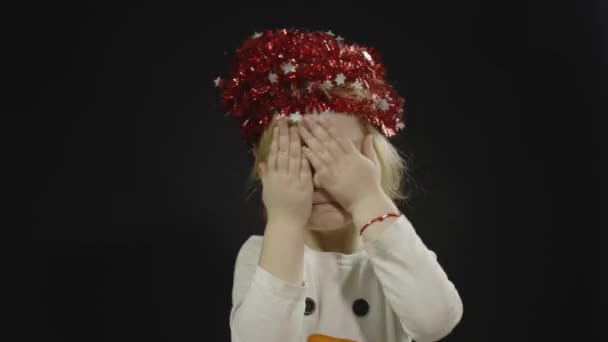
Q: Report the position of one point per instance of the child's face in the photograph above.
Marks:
(326, 213)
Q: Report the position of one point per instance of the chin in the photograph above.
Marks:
(328, 217)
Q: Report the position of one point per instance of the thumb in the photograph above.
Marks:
(262, 170)
(368, 149)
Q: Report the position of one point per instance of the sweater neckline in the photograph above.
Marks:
(338, 257)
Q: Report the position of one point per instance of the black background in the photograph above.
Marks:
(138, 186)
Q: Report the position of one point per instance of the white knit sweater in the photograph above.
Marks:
(400, 290)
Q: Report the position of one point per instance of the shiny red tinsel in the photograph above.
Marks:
(284, 72)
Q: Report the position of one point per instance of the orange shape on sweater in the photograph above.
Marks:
(325, 338)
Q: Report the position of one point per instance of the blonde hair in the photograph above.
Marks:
(394, 165)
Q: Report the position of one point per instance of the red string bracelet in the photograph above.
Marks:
(379, 218)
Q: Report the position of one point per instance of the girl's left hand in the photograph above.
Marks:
(340, 168)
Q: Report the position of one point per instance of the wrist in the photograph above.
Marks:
(371, 199)
(284, 222)
(372, 206)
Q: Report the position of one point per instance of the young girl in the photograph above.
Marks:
(337, 261)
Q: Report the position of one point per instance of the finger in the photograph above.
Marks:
(295, 152)
(315, 146)
(316, 178)
(343, 144)
(327, 141)
(274, 146)
(316, 163)
(283, 154)
(305, 172)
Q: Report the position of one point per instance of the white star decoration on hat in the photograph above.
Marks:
(340, 78)
(256, 35)
(382, 104)
(288, 67)
(338, 38)
(367, 55)
(357, 85)
(327, 84)
(295, 117)
(272, 77)
(330, 33)
(400, 125)
(217, 81)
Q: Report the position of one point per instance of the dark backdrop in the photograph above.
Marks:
(138, 186)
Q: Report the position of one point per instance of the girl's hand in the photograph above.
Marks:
(286, 177)
(347, 174)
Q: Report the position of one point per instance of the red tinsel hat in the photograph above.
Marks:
(294, 73)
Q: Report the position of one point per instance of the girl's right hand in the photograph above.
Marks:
(286, 177)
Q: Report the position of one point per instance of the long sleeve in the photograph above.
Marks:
(264, 308)
(425, 301)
